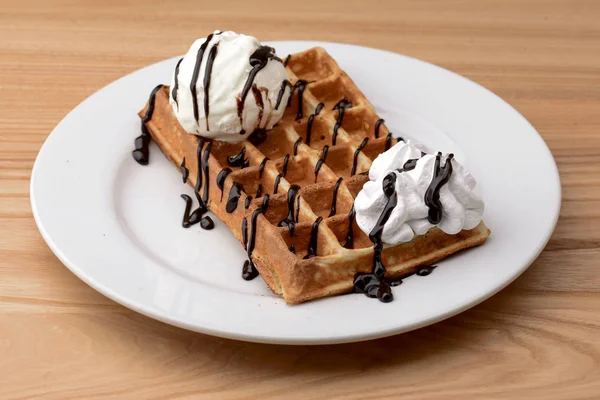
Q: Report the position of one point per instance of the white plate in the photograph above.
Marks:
(117, 225)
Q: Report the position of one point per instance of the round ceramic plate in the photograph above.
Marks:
(117, 225)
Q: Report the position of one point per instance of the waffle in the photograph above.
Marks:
(320, 230)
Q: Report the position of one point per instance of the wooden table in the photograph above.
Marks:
(537, 339)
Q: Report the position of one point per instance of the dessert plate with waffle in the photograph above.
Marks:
(295, 192)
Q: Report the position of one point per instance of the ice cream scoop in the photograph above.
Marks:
(227, 86)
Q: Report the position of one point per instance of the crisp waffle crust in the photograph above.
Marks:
(333, 269)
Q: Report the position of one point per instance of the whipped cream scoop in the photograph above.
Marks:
(429, 193)
(227, 86)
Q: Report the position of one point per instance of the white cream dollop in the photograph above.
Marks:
(230, 71)
(461, 206)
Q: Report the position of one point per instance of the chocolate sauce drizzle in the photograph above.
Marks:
(341, 107)
(245, 232)
(258, 136)
(185, 173)
(141, 152)
(441, 175)
(312, 244)
(286, 159)
(249, 270)
(205, 158)
(360, 147)
(287, 60)
(259, 101)
(247, 202)
(373, 284)
(284, 85)
(298, 209)
(176, 84)
(388, 141)
(350, 235)
(190, 218)
(198, 185)
(334, 198)
(296, 143)
(289, 219)
(234, 197)
(426, 270)
(311, 118)
(207, 72)
(377, 126)
(258, 60)
(300, 85)
(238, 160)
(261, 167)
(201, 210)
(196, 73)
(321, 161)
(221, 176)
(258, 191)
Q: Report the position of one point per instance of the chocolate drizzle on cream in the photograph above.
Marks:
(284, 85)
(321, 161)
(441, 175)
(313, 242)
(341, 107)
(196, 73)
(207, 72)
(141, 153)
(360, 147)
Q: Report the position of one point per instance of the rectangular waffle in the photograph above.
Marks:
(332, 269)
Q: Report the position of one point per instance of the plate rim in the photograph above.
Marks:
(142, 309)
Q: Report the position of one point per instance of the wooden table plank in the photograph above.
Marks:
(537, 339)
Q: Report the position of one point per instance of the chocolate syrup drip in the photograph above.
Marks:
(287, 60)
(312, 244)
(296, 143)
(292, 248)
(199, 170)
(284, 85)
(360, 147)
(441, 175)
(258, 60)
(247, 202)
(258, 191)
(221, 176)
(297, 209)
(258, 136)
(286, 159)
(207, 223)
(245, 232)
(249, 271)
(234, 197)
(276, 185)
(334, 198)
(185, 173)
(321, 161)
(176, 84)
(377, 126)
(388, 141)
(409, 165)
(341, 107)
(207, 72)
(196, 72)
(300, 85)
(318, 108)
(205, 158)
(309, 126)
(350, 235)
(190, 218)
(261, 167)
(426, 270)
(238, 160)
(259, 101)
(289, 219)
(373, 284)
(141, 153)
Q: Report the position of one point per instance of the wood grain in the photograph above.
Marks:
(537, 339)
